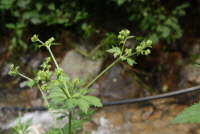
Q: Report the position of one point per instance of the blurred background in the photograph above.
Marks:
(85, 29)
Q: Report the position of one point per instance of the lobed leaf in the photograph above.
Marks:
(92, 100)
(89, 91)
(191, 114)
(130, 61)
(30, 83)
(69, 104)
(115, 50)
(56, 94)
(83, 104)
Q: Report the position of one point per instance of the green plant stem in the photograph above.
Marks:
(50, 110)
(70, 122)
(86, 87)
(122, 49)
(53, 57)
(25, 76)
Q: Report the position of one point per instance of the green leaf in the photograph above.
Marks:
(30, 83)
(92, 100)
(69, 104)
(191, 114)
(10, 25)
(115, 50)
(123, 58)
(129, 37)
(76, 95)
(164, 30)
(55, 101)
(89, 91)
(51, 6)
(27, 15)
(35, 20)
(130, 61)
(55, 44)
(83, 104)
(39, 6)
(197, 65)
(56, 94)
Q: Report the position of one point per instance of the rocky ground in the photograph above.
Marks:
(143, 118)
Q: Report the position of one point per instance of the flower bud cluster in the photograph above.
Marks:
(13, 70)
(75, 81)
(58, 72)
(49, 41)
(128, 51)
(43, 76)
(123, 34)
(45, 65)
(143, 48)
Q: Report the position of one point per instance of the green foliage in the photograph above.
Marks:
(190, 114)
(155, 20)
(22, 127)
(33, 13)
(64, 93)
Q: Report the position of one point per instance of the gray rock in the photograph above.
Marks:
(191, 73)
(117, 85)
(76, 65)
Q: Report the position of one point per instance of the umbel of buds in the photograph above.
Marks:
(143, 48)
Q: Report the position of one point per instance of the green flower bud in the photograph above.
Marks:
(48, 59)
(147, 52)
(149, 43)
(44, 87)
(34, 38)
(58, 72)
(127, 32)
(138, 48)
(121, 32)
(75, 81)
(11, 67)
(119, 36)
(48, 67)
(128, 51)
(51, 39)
